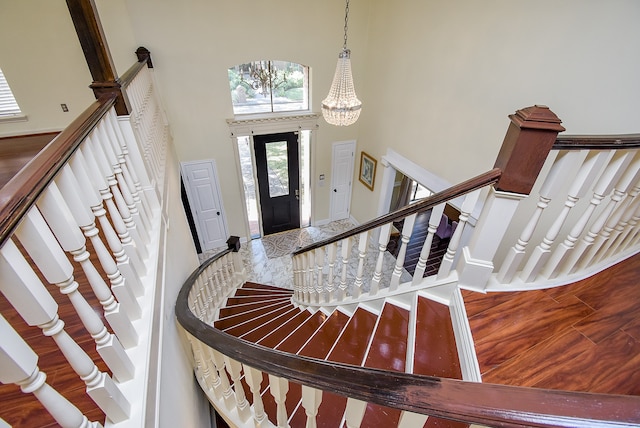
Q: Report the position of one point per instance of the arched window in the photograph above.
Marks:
(267, 86)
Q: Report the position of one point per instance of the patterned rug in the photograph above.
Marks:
(283, 243)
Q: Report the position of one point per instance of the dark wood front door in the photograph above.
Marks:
(277, 168)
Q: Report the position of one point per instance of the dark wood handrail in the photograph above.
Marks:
(487, 404)
(448, 194)
(21, 192)
(597, 142)
(132, 72)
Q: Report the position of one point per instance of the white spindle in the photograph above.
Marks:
(18, 364)
(311, 399)
(235, 372)
(363, 242)
(434, 222)
(407, 229)
(603, 186)
(279, 387)
(32, 301)
(46, 253)
(227, 392)
(611, 177)
(345, 252)
(133, 250)
(310, 276)
(61, 220)
(411, 420)
(297, 282)
(254, 380)
(591, 165)
(615, 244)
(91, 198)
(555, 178)
(331, 259)
(383, 240)
(320, 288)
(354, 413)
(454, 243)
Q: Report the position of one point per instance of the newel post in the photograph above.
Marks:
(529, 138)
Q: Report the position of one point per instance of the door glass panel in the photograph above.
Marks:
(277, 168)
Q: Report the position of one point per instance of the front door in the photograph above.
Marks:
(277, 168)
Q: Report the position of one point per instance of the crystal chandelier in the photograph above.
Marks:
(342, 106)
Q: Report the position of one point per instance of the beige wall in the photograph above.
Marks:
(437, 78)
(43, 62)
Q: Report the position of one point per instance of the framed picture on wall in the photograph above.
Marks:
(367, 170)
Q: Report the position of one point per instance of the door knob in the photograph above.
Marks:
(218, 212)
(335, 190)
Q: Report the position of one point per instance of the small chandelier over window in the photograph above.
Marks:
(342, 106)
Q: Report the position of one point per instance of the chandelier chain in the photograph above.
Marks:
(346, 20)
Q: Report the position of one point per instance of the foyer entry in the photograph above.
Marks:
(278, 174)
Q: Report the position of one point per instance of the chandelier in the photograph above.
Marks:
(342, 106)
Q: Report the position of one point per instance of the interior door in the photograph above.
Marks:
(203, 192)
(341, 176)
(277, 169)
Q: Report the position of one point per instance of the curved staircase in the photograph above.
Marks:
(367, 336)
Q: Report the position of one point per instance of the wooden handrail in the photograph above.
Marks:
(21, 192)
(448, 194)
(144, 59)
(487, 404)
(597, 142)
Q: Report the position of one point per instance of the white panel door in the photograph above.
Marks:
(203, 192)
(341, 177)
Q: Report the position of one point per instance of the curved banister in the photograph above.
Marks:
(487, 404)
(19, 194)
(597, 142)
(448, 194)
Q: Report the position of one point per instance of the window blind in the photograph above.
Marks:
(8, 105)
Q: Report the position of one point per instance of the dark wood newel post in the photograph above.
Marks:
(530, 137)
(86, 21)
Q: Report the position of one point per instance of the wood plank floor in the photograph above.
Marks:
(16, 152)
(580, 337)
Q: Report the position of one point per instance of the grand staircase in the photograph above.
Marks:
(375, 336)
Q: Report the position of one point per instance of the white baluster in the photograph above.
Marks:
(410, 420)
(362, 254)
(235, 372)
(354, 413)
(622, 229)
(135, 254)
(32, 301)
(310, 277)
(279, 387)
(454, 243)
(320, 288)
(331, 259)
(625, 186)
(227, 392)
(46, 253)
(61, 221)
(407, 229)
(91, 198)
(590, 167)
(18, 364)
(555, 178)
(383, 240)
(619, 164)
(254, 380)
(434, 222)
(345, 252)
(102, 162)
(311, 399)
(558, 260)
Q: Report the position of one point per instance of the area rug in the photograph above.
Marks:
(283, 243)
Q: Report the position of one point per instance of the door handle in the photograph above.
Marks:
(335, 190)
(218, 212)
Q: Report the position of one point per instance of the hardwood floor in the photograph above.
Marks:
(15, 152)
(580, 337)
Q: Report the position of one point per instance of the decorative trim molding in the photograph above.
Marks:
(273, 124)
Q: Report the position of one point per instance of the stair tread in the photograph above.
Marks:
(240, 329)
(256, 285)
(324, 338)
(248, 316)
(284, 330)
(388, 351)
(229, 311)
(258, 333)
(435, 343)
(296, 340)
